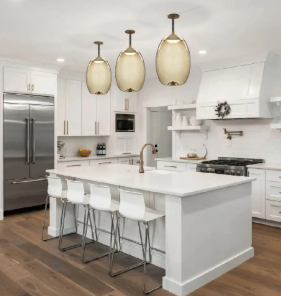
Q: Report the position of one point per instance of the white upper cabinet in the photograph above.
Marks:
(73, 107)
(95, 113)
(103, 114)
(61, 117)
(43, 83)
(29, 81)
(246, 86)
(125, 102)
(16, 80)
(89, 112)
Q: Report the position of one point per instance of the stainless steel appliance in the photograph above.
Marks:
(28, 149)
(125, 123)
(227, 166)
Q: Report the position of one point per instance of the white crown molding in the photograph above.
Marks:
(36, 66)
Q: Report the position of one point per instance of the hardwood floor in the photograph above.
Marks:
(30, 267)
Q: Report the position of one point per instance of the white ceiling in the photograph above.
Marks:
(44, 30)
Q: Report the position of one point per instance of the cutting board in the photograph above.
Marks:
(194, 158)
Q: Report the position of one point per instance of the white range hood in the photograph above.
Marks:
(246, 85)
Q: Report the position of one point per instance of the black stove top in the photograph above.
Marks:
(233, 162)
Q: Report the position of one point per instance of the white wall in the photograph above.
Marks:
(259, 141)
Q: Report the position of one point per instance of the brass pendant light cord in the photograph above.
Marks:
(130, 40)
(173, 25)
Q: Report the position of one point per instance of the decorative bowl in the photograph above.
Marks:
(84, 152)
(194, 122)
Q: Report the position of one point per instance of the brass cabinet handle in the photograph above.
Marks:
(170, 166)
(32, 87)
(64, 127)
(73, 165)
(95, 127)
(105, 162)
(67, 126)
(28, 86)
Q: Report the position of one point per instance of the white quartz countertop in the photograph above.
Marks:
(79, 158)
(179, 184)
(177, 159)
(266, 166)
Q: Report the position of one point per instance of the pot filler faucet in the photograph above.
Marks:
(141, 155)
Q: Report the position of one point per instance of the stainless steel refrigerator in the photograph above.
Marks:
(28, 149)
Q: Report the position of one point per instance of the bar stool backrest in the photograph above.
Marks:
(132, 205)
(54, 187)
(75, 191)
(100, 198)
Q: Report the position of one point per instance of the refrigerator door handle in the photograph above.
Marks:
(27, 140)
(33, 140)
(29, 181)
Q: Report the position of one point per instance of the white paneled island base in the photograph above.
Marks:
(207, 229)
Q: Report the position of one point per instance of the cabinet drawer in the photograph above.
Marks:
(273, 191)
(171, 166)
(273, 210)
(68, 164)
(191, 167)
(103, 161)
(274, 176)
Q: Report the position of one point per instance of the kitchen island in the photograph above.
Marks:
(207, 229)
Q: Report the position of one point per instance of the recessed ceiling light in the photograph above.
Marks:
(202, 51)
(60, 60)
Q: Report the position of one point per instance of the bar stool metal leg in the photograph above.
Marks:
(62, 228)
(145, 262)
(84, 260)
(111, 273)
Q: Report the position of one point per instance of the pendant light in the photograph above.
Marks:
(173, 58)
(130, 68)
(98, 75)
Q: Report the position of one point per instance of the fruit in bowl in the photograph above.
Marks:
(84, 152)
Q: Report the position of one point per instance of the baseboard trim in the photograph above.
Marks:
(55, 231)
(182, 289)
(266, 222)
(1, 215)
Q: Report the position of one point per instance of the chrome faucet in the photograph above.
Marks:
(141, 155)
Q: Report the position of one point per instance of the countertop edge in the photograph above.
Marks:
(80, 158)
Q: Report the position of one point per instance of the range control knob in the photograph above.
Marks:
(227, 172)
(203, 170)
(209, 170)
(232, 173)
(238, 173)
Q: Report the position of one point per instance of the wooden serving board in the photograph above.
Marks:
(193, 158)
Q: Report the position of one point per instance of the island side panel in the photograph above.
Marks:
(207, 235)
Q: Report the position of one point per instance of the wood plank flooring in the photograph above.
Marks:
(30, 267)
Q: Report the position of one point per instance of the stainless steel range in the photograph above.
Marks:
(227, 166)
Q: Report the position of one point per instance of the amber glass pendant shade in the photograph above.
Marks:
(130, 68)
(173, 58)
(98, 75)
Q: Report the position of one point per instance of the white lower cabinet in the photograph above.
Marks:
(129, 160)
(171, 166)
(258, 193)
(68, 164)
(273, 210)
(103, 161)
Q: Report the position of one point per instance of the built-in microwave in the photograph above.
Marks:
(125, 123)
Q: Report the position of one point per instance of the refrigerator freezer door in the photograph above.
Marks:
(41, 140)
(15, 147)
(24, 193)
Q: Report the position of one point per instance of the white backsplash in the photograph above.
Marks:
(74, 143)
(258, 141)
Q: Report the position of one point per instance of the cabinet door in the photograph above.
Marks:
(60, 119)
(131, 144)
(258, 193)
(73, 107)
(16, 80)
(131, 101)
(89, 111)
(43, 83)
(103, 114)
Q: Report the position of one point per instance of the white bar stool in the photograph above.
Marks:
(100, 200)
(75, 195)
(55, 190)
(132, 206)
